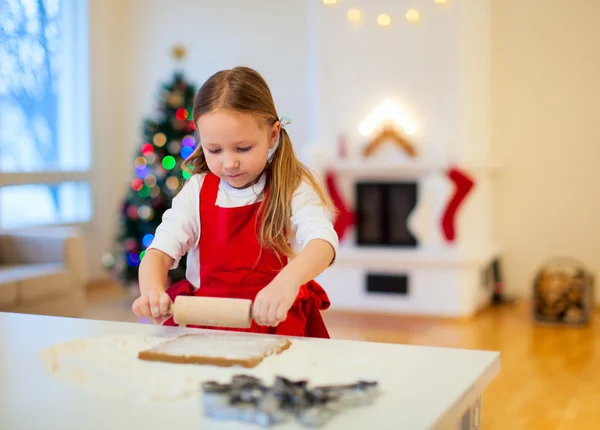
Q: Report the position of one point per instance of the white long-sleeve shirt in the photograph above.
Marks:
(179, 231)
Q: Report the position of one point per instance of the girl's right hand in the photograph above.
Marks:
(156, 304)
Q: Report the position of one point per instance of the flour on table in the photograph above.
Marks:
(109, 366)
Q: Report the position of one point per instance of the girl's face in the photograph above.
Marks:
(236, 145)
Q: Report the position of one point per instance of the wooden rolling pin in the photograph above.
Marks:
(212, 311)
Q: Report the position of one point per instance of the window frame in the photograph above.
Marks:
(77, 105)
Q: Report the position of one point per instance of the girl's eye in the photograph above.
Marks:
(246, 149)
(214, 151)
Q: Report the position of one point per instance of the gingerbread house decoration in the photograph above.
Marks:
(388, 122)
(386, 134)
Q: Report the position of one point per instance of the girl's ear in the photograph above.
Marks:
(274, 134)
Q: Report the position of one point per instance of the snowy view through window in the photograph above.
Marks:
(38, 121)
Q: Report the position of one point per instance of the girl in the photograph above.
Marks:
(248, 209)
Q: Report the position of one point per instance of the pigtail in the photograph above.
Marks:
(284, 175)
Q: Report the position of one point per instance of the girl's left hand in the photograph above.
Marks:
(273, 302)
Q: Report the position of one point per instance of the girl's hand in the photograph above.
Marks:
(154, 303)
(273, 302)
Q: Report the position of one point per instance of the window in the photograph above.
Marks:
(45, 152)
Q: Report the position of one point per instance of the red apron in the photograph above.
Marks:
(232, 265)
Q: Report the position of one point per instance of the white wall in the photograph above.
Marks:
(546, 133)
(109, 28)
(359, 65)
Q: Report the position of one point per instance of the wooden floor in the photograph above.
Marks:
(550, 376)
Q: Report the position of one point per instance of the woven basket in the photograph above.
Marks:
(563, 292)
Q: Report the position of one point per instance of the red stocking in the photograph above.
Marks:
(463, 184)
(345, 217)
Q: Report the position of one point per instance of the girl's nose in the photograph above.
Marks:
(231, 163)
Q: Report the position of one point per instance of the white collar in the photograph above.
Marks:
(254, 190)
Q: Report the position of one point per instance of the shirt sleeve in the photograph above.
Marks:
(310, 218)
(179, 229)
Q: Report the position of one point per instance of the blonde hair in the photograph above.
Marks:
(245, 90)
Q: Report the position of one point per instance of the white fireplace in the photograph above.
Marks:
(395, 257)
(429, 277)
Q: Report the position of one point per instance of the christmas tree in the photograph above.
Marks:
(167, 141)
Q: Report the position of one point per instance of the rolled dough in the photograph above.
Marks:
(217, 348)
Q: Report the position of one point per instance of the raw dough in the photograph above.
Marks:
(218, 348)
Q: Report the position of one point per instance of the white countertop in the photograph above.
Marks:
(421, 387)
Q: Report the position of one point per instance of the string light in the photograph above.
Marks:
(137, 184)
(145, 212)
(144, 191)
(147, 149)
(142, 171)
(159, 139)
(181, 114)
(130, 244)
(353, 14)
(188, 141)
(172, 183)
(141, 162)
(133, 258)
(147, 239)
(154, 192)
(169, 162)
(150, 180)
(108, 260)
(186, 151)
(174, 146)
(132, 212)
(412, 15)
(383, 20)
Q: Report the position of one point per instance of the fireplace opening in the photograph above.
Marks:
(382, 211)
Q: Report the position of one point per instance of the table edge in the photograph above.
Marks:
(457, 409)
